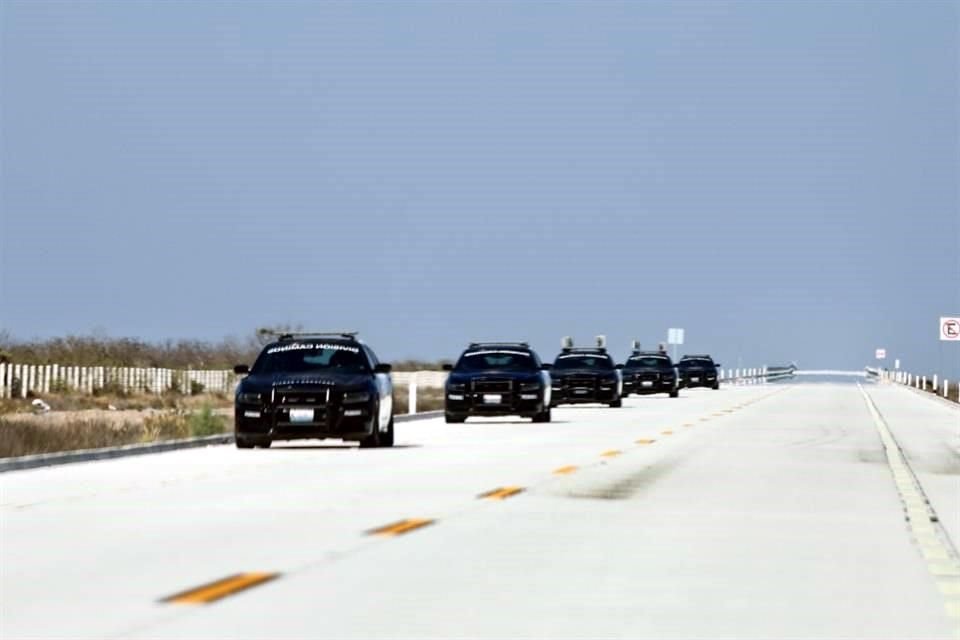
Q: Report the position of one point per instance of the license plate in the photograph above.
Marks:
(492, 398)
(581, 391)
(301, 415)
(647, 383)
(694, 379)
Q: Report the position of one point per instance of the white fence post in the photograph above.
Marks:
(946, 389)
(936, 387)
(3, 380)
(412, 393)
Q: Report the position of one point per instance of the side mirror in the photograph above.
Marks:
(241, 369)
(383, 367)
(447, 366)
(620, 366)
(546, 366)
(717, 365)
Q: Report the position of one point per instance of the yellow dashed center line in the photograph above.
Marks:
(565, 470)
(214, 591)
(401, 527)
(645, 441)
(501, 493)
(611, 453)
(667, 432)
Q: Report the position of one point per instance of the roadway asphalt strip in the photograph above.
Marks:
(932, 540)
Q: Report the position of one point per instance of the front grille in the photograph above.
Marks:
(308, 397)
(581, 381)
(646, 377)
(492, 385)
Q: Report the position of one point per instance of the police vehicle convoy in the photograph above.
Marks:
(698, 371)
(586, 374)
(315, 385)
(497, 379)
(647, 372)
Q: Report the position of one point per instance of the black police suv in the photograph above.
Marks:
(647, 372)
(497, 379)
(586, 374)
(315, 385)
(698, 371)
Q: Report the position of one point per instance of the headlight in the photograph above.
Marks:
(248, 398)
(530, 386)
(356, 396)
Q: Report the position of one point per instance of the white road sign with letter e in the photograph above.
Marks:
(675, 336)
(950, 329)
(881, 354)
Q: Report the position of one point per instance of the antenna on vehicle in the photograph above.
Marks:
(601, 342)
(663, 347)
(567, 342)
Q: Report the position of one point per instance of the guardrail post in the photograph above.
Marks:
(412, 393)
(946, 389)
(935, 385)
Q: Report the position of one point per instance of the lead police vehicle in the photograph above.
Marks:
(647, 372)
(497, 379)
(586, 374)
(315, 385)
(698, 371)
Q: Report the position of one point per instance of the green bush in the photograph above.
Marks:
(206, 423)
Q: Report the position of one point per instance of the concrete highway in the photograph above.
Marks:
(792, 510)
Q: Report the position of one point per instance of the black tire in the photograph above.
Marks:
(372, 441)
(265, 444)
(454, 418)
(616, 404)
(244, 444)
(675, 393)
(716, 386)
(386, 437)
(543, 416)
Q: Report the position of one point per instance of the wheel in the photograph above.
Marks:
(716, 386)
(265, 444)
(616, 404)
(244, 444)
(675, 393)
(454, 418)
(372, 441)
(543, 416)
(386, 437)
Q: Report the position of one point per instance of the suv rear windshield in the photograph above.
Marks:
(500, 359)
(306, 357)
(647, 361)
(583, 361)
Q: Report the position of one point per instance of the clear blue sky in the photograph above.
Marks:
(779, 178)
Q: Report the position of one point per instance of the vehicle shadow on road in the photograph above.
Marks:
(332, 447)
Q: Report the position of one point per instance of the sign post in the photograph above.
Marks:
(675, 337)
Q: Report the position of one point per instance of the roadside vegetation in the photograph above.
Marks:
(428, 399)
(25, 434)
(103, 351)
(952, 394)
